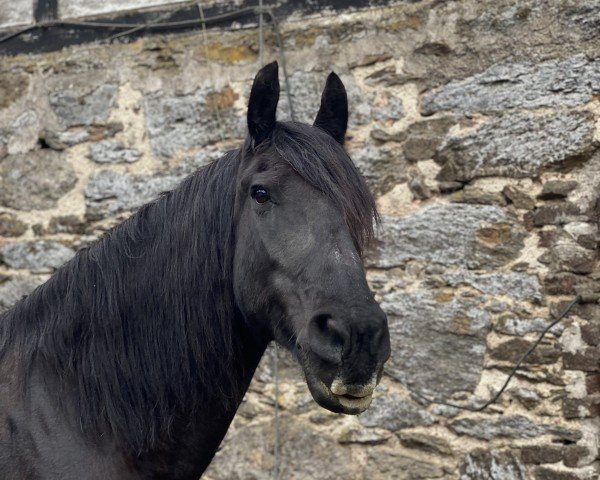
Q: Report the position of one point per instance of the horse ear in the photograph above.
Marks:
(262, 105)
(333, 114)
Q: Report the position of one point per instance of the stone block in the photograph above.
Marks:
(483, 464)
(35, 255)
(587, 360)
(425, 442)
(472, 236)
(111, 151)
(35, 180)
(555, 83)
(539, 454)
(11, 226)
(513, 426)
(74, 107)
(181, 122)
(556, 189)
(517, 146)
(394, 413)
(109, 192)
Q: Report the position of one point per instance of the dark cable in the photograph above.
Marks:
(495, 398)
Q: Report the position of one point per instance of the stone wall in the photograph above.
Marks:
(477, 125)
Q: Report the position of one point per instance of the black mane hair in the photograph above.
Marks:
(321, 161)
(130, 327)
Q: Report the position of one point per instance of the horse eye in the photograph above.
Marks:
(260, 195)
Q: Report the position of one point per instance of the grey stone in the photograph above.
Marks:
(511, 324)
(526, 397)
(109, 192)
(520, 286)
(555, 214)
(472, 236)
(438, 347)
(389, 464)
(14, 289)
(569, 256)
(247, 454)
(35, 180)
(35, 255)
(182, 122)
(513, 350)
(4, 138)
(588, 178)
(555, 83)
(365, 436)
(83, 108)
(517, 146)
(11, 226)
(394, 413)
(77, 135)
(425, 442)
(382, 135)
(66, 224)
(476, 195)
(555, 189)
(391, 108)
(514, 426)
(382, 167)
(15, 13)
(518, 197)
(111, 151)
(423, 138)
(492, 465)
(12, 86)
(584, 17)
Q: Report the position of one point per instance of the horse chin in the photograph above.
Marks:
(345, 404)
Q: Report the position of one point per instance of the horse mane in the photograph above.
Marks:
(129, 328)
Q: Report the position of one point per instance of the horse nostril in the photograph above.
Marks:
(327, 337)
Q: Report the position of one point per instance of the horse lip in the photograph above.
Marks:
(347, 404)
(339, 388)
(354, 404)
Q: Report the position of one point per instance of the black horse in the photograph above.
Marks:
(130, 362)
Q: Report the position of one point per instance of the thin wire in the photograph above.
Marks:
(495, 398)
(149, 25)
(132, 27)
(217, 110)
(275, 25)
(139, 27)
(261, 37)
(277, 444)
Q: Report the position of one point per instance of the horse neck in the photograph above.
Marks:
(142, 330)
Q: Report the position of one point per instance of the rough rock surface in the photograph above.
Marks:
(394, 413)
(35, 180)
(437, 346)
(109, 192)
(109, 151)
(555, 83)
(491, 465)
(83, 108)
(35, 255)
(473, 236)
(177, 122)
(517, 146)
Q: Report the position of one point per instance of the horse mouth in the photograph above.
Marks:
(354, 404)
(346, 403)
